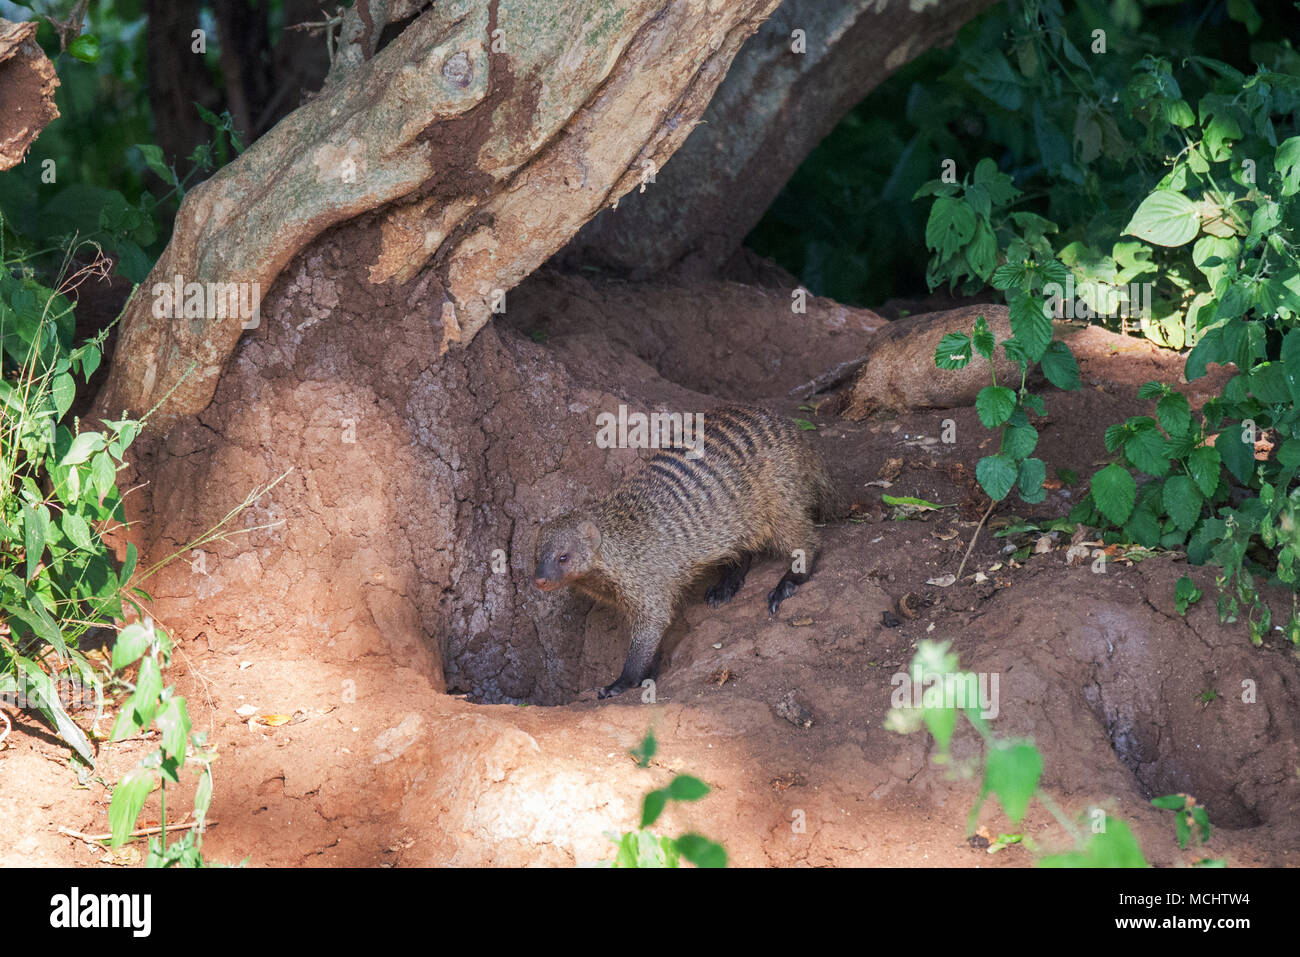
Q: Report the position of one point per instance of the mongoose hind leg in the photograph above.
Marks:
(729, 582)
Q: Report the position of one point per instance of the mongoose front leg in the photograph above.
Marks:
(786, 587)
(647, 633)
(733, 576)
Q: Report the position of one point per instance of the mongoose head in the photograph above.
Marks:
(566, 550)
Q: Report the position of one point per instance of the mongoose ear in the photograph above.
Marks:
(589, 532)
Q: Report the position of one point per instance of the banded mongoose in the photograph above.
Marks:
(755, 486)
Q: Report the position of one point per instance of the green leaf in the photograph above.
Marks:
(700, 851)
(148, 688)
(1174, 413)
(153, 158)
(1113, 847)
(75, 527)
(83, 447)
(1287, 163)
(63, 390)
(128, 566)
(128, 801)
(996, 475)
(1237, 455)
(173, 721)
(85, 48)
(953, 352)
(1182, 501)
(1031, 325)
(1030, 481)
(41, 691)
(686, 788)
(132, 642)
(653, 806)
(33, 537)
(1203, 463)
(1166, 218)
(1011, 771)
(950, 226)
(1114, 492)
(1060, 367)
(1145, 446)
(1185, 593)
(982, 338)
(1019, 441)
(994, 404)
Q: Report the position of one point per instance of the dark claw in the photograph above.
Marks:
(720, 594)
(730, 582)
(617, 688)
(786, 587)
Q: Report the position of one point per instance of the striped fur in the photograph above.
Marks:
(756, 488)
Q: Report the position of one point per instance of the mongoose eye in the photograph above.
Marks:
(563, 558)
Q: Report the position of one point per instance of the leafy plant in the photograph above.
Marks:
(59, 495)
(1000, 407)
(641, 848)
(1186, 814)
(1012, 768)
(1210, 195)
(150, 705)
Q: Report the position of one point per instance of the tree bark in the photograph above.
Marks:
(27, 85)
(489, 133)
(773, 108)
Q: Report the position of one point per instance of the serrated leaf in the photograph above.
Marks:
(994, 405)
(1203, 462)
(1144, 447)
(982, 338)
(953, 352)
(1237, 455)
(997, 475)
(1174, 413)
(1182, 500)
(1060, 367)
(1030, 325)
(1019, 441)
(1029, 482)
(1185, 593)
(1114, 492)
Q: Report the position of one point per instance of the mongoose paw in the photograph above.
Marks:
(617, 688)
(779, 594)
(721, 593)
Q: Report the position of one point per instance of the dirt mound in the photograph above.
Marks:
(393, 562)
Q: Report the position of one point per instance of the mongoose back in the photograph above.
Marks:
(755, 486)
